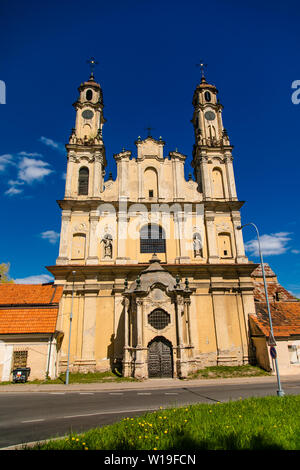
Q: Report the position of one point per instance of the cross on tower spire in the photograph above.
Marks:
(92, 61)
(202, 67)
(149, 129)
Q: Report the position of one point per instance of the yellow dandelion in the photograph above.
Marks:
(83, 443)
(86, 448)
(156, 437)
(77, 440)
(73, 438)
(166, 431)
(155, 448)
(165, 417)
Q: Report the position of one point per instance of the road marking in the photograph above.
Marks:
(116, 393)
(32, 421)
(57, 393)
(171, 393)
(111, 412)
(144, 393)
(85, 393)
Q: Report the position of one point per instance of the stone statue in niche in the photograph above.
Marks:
(107, 241)
(197, 245)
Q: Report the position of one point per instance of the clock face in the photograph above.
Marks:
(87, 114)
(209, 115)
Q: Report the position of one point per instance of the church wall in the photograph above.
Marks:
(204, 338)
(107, 336)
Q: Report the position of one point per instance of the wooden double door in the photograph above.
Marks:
(160, 358)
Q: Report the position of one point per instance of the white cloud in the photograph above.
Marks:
(38, 279)
(31, 170)
(51, 143)
(51, 236)
(12, 191)
(14, 188)
(274, 244)
(5, 160)
(296, 252)
(30, 154)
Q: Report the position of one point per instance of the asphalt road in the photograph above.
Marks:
(33, 416)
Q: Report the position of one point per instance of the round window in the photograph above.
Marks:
(159, 319)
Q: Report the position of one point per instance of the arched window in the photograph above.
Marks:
(152, 239)
(78, 246)
(225, 249)
(83, 181)
(89, 95)
(217, 183)
(150, 183)
(207, 96)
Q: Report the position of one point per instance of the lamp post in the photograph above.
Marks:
(280, 392)
(71, 317)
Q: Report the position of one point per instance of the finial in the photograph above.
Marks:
(177, 281)
(92, 61)
(125, 283)
(202, 66)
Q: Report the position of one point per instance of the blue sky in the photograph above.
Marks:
(147, 53)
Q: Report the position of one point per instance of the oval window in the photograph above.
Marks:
(207, 96)
(89, 95)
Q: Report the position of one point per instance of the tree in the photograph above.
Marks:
(4, 279)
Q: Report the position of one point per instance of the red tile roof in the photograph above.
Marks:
(38, 294)
(26, 308)
(28, 320)
(285, 319)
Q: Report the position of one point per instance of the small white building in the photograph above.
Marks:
(28, 334)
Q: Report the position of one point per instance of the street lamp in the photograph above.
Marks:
(71, 317)
(280, 392)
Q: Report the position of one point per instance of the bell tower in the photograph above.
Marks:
(86, 151)
(213, 169)
(86, 162)
(212, 152)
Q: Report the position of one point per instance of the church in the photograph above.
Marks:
(153, 268)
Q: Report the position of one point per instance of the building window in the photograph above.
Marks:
(152, 239)
(83, 181)
(89, 95)
(159, 319)
(225, 250)
(207, 96)
(150, 192)
(78, 246)
(20, 359)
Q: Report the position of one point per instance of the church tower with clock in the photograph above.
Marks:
(154, 271)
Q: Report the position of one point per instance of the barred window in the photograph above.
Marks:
(159, 319)
(152, 239)
(20, 359)
(83, 181)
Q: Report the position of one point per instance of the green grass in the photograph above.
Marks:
(269, 423)
(76, 378)
(222, 372)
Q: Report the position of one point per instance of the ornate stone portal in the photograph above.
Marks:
(158, 339)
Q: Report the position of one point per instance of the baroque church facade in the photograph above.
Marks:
(153, 268)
